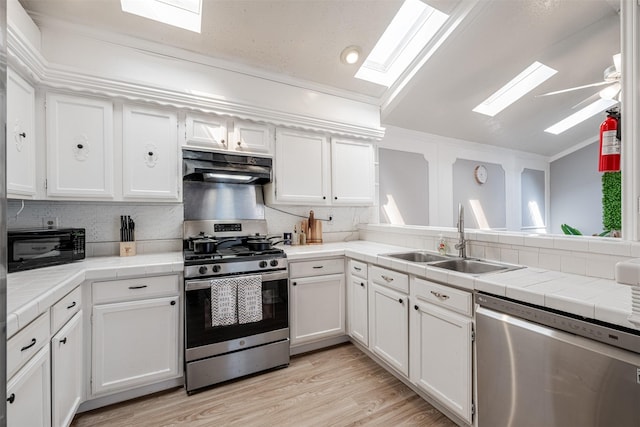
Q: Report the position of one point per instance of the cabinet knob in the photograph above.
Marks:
(23, 134)
(336, 197)
(11, 398)
(223, 142)
(415, 307)
(362, 284)
(173, 303)
(400, 300)
(324, 198)
(294, 283)
(150, 153)
(80, 146)
(63, 340)
(239, 143)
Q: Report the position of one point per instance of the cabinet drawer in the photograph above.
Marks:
(389, 278)
(26, 343)
(316, 268)
(64, 309)
(444, 296)
(358, 268)
(132, 289)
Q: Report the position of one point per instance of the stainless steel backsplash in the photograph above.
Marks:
(206, 200)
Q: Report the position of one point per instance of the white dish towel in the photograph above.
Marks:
(250, 299)
(224, 302)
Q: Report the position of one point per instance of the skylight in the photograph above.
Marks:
(534, 75)
(186, 14)
(409, 32)
(580, 116)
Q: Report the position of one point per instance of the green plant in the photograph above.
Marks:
(567, 229)
(612, 201)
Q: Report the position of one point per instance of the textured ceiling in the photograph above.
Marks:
(498, 39)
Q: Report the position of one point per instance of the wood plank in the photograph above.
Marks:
(337, 386)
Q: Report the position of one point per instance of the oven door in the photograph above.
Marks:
(205, 337)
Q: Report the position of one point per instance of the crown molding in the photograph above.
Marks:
(27, 61)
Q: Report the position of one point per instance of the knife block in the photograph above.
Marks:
(127, 248)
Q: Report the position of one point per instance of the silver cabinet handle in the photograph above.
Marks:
(439, 295)
(387, 278)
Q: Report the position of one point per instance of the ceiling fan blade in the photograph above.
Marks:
(572, 89)
(586, 101)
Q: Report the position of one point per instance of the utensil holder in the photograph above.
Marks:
(127, 248)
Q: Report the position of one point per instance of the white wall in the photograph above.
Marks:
(442, 153)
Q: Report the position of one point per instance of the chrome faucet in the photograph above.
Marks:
(461, 246)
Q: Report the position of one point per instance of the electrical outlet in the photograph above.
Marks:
(50, 222)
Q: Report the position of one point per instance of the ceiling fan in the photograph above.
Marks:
(612, 76)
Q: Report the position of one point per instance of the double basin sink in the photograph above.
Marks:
(461, 265)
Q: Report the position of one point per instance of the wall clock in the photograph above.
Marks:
(480, 174)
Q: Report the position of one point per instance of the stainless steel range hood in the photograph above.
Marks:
(208, 166)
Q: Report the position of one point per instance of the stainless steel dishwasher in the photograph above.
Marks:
(537, 367)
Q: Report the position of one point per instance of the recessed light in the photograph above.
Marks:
(533, 76)
(185, 14)
(580, 116)
(350, 55)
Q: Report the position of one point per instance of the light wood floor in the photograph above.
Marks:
(339, 386)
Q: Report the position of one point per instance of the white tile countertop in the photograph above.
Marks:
(590, 297)
(32, 292)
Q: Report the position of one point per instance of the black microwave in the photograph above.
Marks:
(36, 248)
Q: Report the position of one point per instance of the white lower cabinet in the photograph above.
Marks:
(441, 347)
(135, 333)
(389, 326)
(29, 393)
(317, 308)
(66, 371)
(358, 302)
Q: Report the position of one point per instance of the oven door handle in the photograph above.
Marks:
(198, 284)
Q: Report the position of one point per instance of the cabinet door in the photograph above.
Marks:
(134, 343)
(352, 172)
(441, 356)
(66, 371)
(150, 154)
(250, 137)
(79, 147)
(389, 317)
(358, 310)
(301, 168)
(29, 393)
(206, 131)
(317, 308)
(21, 153)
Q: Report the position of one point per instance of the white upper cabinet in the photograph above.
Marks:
(302, 168)
(352, 172)
(21, 153)
(310, 169)
(79, 147)
(150, 154)
(249, 137)
(206, 131)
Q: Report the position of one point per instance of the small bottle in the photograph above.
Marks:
(303, 238)
(442, 245)
(294, 239)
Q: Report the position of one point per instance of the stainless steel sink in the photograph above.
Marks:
(474, 266)
(418, 256)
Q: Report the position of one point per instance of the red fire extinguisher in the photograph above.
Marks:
(610, 142)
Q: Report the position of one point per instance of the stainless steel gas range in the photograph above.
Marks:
(236, 302)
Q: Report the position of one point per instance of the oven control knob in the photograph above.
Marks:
(215, 268)
(263, 264)
(274, 263)
(203, 269)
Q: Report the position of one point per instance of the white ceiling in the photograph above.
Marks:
(498, 39)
